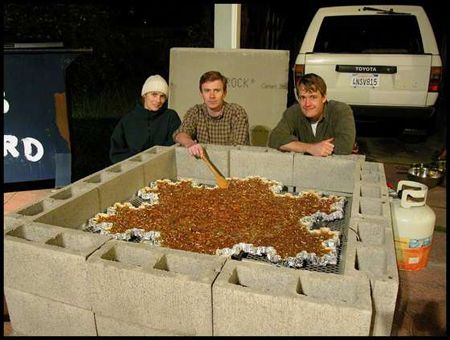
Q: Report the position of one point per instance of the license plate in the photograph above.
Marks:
(365, 80)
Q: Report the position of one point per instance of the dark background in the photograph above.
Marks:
(131, 40)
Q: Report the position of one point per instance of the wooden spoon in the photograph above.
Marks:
(220, 180)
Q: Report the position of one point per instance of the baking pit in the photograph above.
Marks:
(73, 277)
(265, 252)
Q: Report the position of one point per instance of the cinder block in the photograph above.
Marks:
(119, 184)
(34, 315)
(259, 162)
(370, 177)
(384, 296)
(191, 167)
(75, 189)
(378, 261)
(156, 287)
(371, 233)
(145, 155)
(372, 172)
(256, 148)
(161, 163)
(255, 299)
(325, 173)
(34, 210)
(12, 221)
(112, 327)
(360, 159)
(348, 254)
(374, 207)
(372, 166)
(374, 191)
(50, 261)
(376, 258)
(70, 209)
(372, 259)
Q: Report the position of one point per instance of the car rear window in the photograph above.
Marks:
(393, 34)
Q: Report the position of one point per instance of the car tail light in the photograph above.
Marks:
(299, 71)
(435, 79)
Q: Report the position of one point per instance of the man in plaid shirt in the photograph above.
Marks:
(215, 121)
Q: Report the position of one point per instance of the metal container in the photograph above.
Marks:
(425, 174)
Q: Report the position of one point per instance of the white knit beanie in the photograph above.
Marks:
(155, 83)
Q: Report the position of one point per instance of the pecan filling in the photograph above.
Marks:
(202, 220)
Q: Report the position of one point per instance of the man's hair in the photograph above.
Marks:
(211, 76)
(312, 82)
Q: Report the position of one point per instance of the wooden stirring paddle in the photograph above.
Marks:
(220, 180)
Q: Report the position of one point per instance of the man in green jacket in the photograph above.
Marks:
(150, 123)
(315, 125)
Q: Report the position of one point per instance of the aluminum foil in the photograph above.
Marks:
(146, 195)
(299, 261)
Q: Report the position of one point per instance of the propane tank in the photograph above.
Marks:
(413, 225)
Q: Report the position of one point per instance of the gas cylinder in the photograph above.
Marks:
(413, 225)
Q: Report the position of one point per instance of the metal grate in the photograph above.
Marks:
(136, 201)
(339, 225)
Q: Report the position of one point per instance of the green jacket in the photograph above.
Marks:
(337, 122)
(141, 129)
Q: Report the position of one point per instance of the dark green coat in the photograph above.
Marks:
(141, 129)
(337, 122)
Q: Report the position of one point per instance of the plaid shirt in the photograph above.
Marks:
(231, 128)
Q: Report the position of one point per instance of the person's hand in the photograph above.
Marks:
(195, 150)
(323, 148)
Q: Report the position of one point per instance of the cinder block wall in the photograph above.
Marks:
(60, 280)
(161, 289)
(260, 299)
(45, 279)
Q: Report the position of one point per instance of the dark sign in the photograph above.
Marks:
(34, 144)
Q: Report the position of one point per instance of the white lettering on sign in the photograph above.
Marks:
(10, 145)
(366, 68)
(33, 149)
(5, 103)
(30, 144)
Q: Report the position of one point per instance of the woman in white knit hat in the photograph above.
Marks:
(150, 123)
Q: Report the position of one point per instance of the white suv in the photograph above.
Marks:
(381, 60)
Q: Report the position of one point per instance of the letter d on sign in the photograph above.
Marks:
(28, 142)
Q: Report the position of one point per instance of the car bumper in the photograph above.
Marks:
(362, 112)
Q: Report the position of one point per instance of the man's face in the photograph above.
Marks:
(213, 94)
(311, 103)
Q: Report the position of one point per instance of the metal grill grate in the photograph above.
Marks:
(339, 225)
(136, 201)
